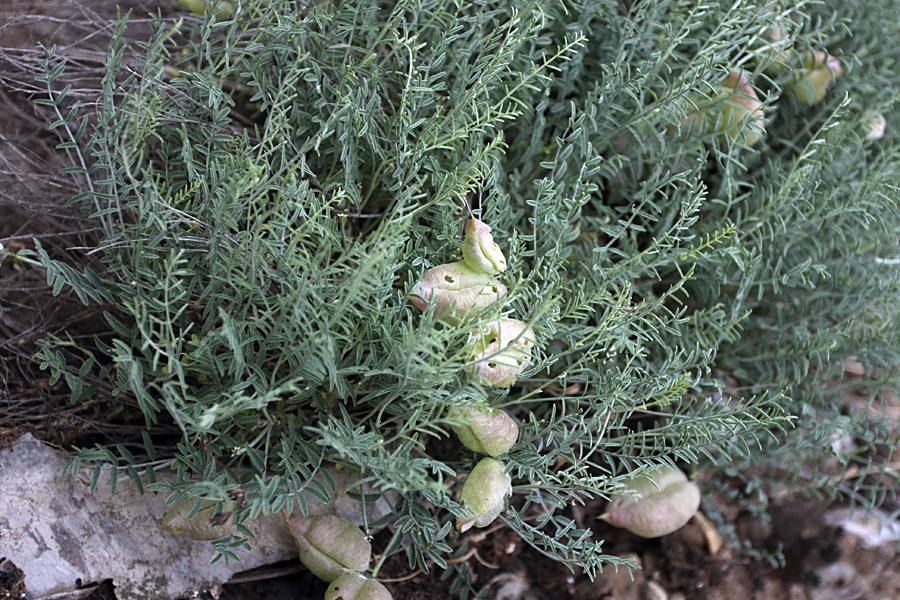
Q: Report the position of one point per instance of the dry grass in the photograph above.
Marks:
(33, 205)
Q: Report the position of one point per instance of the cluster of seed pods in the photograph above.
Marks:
(812, 71)
(499, 351)
(736, 112)
(649, 507)
(338, 552)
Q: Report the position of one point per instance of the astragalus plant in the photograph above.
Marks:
(697, 251)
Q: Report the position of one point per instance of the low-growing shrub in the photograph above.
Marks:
(698, 233)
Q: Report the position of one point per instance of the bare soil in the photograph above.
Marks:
(822, 561)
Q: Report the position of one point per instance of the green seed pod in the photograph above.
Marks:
(329, 546)
(480, 252)
(484, 493)
(656, 506)
(456, 290)
(353, 586)
(501, 350)
(819, 70)
(203, 526)
(222, 8)
(487, 430)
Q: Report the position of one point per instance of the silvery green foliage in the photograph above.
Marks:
(269, 193)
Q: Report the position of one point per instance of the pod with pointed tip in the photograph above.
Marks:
(222, 8)
(480, 251)
(737, 114)
(484, 493)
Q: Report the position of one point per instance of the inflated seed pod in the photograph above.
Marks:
(501, 350)
(819, 70)
(457, 290)
(737, 115)
(874, 126)
(655, 505)
(480, 251)
(487, 430)
(329, 546)
(205, 525)
(222, 8)
(484, 493)
(353, 586)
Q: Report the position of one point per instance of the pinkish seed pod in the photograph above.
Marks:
(656, 506)
(457, 291)
(329, 546)
(819, 70)
(742, 113)
(501, 350)
(484, 493)
(480, 252)
(486, 430)
(737, 115)
(874, 126)
(353, 586)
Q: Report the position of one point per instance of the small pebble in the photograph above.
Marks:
(654, 591)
